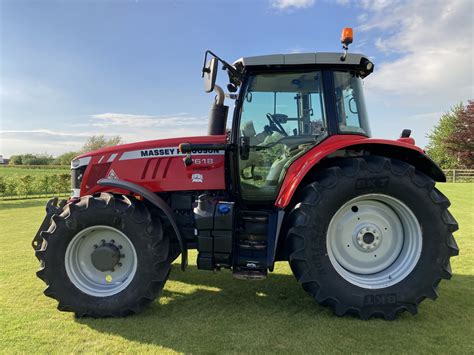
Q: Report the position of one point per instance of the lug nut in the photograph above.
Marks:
(119, 264)
(112, 241)
(95, 246)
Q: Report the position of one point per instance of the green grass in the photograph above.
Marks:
(20, 171)
(212, 313)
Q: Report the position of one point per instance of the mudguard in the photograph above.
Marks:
(158, 202)
(403, 149)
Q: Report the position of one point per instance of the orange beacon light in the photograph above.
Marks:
(347, 36)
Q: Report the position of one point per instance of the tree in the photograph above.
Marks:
(98, 142)
(437, 148)
(461, 141)
(15, 160)
(65, 159)
(36, 159)
(31, 159)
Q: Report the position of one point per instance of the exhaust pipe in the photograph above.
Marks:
(218, 114)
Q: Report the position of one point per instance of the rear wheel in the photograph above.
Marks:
(104, 256)
(371, 236)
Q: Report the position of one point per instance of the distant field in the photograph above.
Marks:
(206, 312)
(19, 171)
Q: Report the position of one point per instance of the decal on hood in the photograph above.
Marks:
(165, 152)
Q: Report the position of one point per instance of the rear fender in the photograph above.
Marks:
(346, 146)
(155, 200)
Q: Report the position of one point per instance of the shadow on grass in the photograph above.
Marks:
(205, 312)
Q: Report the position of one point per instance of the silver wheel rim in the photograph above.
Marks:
(88, 278)
(374, 241)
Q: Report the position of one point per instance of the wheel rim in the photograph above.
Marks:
(101, 261)
(374, 241)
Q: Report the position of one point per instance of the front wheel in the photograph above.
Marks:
(104, 256)
(371, 236)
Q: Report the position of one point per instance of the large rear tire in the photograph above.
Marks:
(104, 256)
(372, 237)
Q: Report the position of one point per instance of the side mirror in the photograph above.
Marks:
(209, 73)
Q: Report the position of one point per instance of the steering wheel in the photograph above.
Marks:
(275, 125)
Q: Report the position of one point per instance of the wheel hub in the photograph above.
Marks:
(368, 238)
(106, 257)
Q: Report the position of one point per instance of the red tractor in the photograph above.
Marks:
(297, 178)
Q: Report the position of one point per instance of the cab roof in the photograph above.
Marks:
(352, 59)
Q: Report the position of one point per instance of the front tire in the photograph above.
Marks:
(372, 237)
(104, 256)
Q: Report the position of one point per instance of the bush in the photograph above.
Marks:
(27, 185)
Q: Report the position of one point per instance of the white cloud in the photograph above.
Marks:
(291, 4)
(131, 127)
(429, 116)
(46, 132)
(377, 5)
(132, 120)
(432, 43)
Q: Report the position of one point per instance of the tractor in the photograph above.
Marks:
(297, 178)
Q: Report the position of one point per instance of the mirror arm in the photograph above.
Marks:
(227, 66)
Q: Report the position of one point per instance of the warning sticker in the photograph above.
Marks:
(112, 175)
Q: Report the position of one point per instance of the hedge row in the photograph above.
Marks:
(29, 185)
(51, 166)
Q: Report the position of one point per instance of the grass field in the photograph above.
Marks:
(20, 171)
(212, 313)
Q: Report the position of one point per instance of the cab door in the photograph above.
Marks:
(282, 115)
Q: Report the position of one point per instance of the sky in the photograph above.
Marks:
(72, 69)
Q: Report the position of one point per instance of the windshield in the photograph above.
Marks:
(282, 116)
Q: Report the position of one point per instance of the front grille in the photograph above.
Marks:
(76, 177)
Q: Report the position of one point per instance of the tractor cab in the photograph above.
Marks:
(286, 105)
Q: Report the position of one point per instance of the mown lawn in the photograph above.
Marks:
(213, 313)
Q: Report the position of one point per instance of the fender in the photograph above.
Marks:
(401, 149)
(158, 202)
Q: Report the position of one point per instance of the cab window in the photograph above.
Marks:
(350, 104)
(282, 116)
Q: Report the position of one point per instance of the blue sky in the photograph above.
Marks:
(71, 69)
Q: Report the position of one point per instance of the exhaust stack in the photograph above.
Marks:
(218, 114)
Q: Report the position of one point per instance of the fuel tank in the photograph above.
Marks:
(157, 165)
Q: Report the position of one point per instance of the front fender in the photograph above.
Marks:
(158, 202)
(397, 149)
